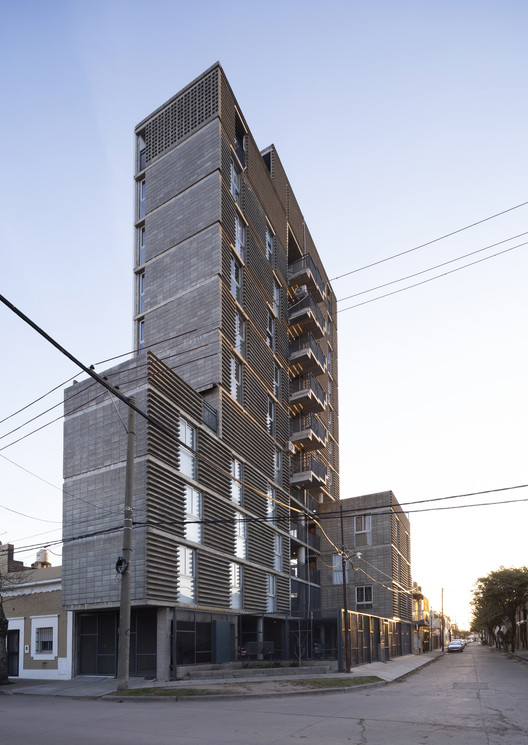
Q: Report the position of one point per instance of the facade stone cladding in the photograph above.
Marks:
(222, 258)
(385, 563)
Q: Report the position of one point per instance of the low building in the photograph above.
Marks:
(39, 642)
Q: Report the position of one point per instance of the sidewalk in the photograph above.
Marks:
(96, 687)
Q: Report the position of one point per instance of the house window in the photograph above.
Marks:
(276, 298)
(236, 280)
(270, 330)
(141, 238)
(235, 585)
(236, 486)
(240, 536)
(363, 530)
(141, 195)
(240, 237)
(364, 597)
(141, 293)
(277, 553)
(271, 505)
(277, 465)
(269, 244)
(337, 569)
(236, 379)
(240, 334)
(271, 593)
(235, 182)
(193, 514)
(141, 336)
(270, 417)
(44, 640)
(187, 446)
(187, 575)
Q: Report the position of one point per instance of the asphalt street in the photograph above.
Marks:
(477, 697)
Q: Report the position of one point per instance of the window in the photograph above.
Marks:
(235, 585)
(277, 553)
(240, 334)
(187, 575)
(235, 182)
(277, 466)
(276, 381)
(363, 530)
(141, 205)
(141, 238)
(364, 597)
(270, 330)
(188, 440)
(240, 136)
(330, 392)
(236, 487)
(236, 280)
(44, 640)
(270, 417)
(337, 567)
(276, 298)
(269, 244)
(240, 536)
(271, 593)
(141, 293)
(236, 379)
(193, 514)
(141, 336)
(240, 237)
(271, 505)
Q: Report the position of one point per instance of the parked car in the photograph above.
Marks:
(455, 646)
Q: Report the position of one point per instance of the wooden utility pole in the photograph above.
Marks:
(124, 562)
(345, 598)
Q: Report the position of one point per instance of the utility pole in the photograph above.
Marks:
(345, 599)
(123, 565)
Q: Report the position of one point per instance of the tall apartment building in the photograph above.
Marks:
(236, 343)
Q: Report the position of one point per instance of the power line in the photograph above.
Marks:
(432, 268)
(431, 279)
(428, 243)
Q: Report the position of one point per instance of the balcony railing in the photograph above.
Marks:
(306, 353)
(307, 471)
(308, 431)
(303, 271)
(307, 393)
(305, 314)
(300, 533)
(301, 571)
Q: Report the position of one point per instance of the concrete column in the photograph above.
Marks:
(260, 635)
(163, 644)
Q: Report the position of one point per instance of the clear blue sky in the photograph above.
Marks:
(397, 122)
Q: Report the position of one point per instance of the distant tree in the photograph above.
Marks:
(496, 599)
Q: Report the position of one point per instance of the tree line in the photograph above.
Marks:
(498, 598)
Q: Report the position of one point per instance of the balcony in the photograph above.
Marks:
(301, 534)
(307, 394)
(305, 316)
(306, 356)
(308, 472)
(308, 432)
(304, 272)
(302, 571)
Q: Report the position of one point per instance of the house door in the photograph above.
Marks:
(13, 644)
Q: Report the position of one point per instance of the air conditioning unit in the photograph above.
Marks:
(290, 447)
(301, 292)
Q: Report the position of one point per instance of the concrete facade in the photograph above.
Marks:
(236, 336)
(378, 583)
